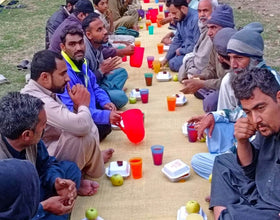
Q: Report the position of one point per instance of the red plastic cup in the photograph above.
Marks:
(157, 152)
(166, 13)
(144, 93)
(160, 7)
(192, 133)
(150, 60)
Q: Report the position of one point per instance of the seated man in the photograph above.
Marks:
(103, 111)
(19, 189)
(80, 12)
(101, 7)
(211, 76)
(123, 15)
(68, 135)
(198, 59)
(57, 18)
(108, 75)
(23, 120)
(219, 125)
(186, 35)
(244, 185)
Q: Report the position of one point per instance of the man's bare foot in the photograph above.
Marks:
(124, 89)
(88, 187)
(135, 27)
(107, 154)
(207, 198)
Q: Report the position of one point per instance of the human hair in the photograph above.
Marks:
(90, 18)
(245, 83)
(44, 61)
(72, 30)
(214, 3)
(176, 3)
(72, 2)
(96, 2)
(18, 112)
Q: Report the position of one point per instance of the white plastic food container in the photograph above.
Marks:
(135, 93)
(180, 99)
(176, 170)
(164, 76)
(118, 167)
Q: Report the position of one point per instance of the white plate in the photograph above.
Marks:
(185, 129)
(161, 77)
(182, 213)
(123, 175)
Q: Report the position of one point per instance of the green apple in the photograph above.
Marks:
(91, 214)
(192, 207)
(132, 100)
(117, 180)
(175, 77)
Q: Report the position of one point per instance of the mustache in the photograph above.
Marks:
(203, 18)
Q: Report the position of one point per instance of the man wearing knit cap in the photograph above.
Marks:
(211, 77)
(81, 10)
(197, 60)
(202, 163)
(186, 35)
(220, 135)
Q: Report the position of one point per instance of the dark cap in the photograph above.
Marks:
(84, 6)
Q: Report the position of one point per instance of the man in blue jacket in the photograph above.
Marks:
(103, 111)
(186, 35)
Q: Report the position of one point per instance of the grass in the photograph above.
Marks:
(22, 33)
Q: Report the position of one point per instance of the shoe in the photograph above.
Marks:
(23, 65)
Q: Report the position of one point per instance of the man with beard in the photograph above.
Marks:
(186, 35)
(195, 62)
(108, 75)
(245, 185)
(23, 120)
(207, 87)
(245, 49)
(57, 18)
(103, 111)
(82, 9)
(68, 135)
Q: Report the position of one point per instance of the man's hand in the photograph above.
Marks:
(163, 62)
(110, 64)
(206, 121)
(178, 52)
(127, 51)
(243, 130)
(115, 117)
(65, 188)
(79, 95)
(110, 106)
(192, 85)
(58, 205)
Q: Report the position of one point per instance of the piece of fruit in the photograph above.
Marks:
(117, 180)
(210, 178)
(91, 214)
(194, 216)
(192, 207)
(132, 100)
(175, 77)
